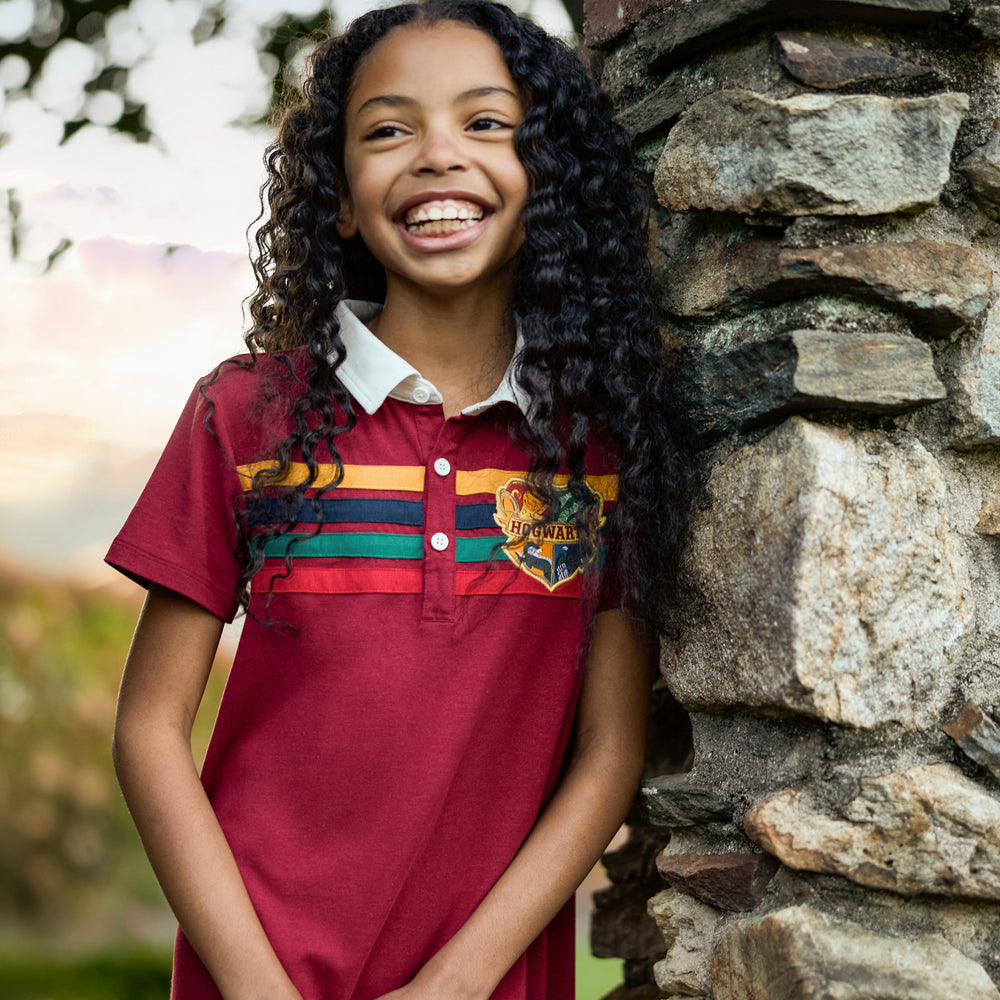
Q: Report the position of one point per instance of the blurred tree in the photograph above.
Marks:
(101, 41)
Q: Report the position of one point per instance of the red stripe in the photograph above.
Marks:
(346, 580)
(497, 580)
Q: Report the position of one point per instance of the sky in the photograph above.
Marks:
(98, 355)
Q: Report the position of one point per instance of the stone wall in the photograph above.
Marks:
(826, 178)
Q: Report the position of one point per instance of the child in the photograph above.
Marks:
(434, 722)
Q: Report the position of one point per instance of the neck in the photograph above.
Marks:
(462, 343)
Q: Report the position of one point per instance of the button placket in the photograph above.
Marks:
(439, 523)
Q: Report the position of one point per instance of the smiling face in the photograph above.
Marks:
(434, 186)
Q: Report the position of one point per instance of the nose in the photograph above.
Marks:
(439, 152)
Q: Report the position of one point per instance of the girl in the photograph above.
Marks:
(434, 723)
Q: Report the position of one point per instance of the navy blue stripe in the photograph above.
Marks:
(475, 515)
(480, 515)
(347, 510)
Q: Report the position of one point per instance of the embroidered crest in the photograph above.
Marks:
(550, 554)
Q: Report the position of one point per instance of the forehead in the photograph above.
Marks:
(437, 61)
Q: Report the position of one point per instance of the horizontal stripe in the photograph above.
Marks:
(345, 510)
(490, 480)
(406, 478)
(307, 579)
(469, 583)
(471, 516)
(351, 544)
(483, 549)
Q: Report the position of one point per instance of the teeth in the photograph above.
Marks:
(441, 227)
(438, 211)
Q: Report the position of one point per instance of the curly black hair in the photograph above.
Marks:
(592, 355)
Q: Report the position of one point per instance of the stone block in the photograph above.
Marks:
(726, 881)
(673, 801)
(812, 154)
(726, 391)
(821, 579)
(799, 954)
(690, 929)
(821, 62)
(982, 170)
(989, 514)
(621, 926)
(978, 735)
(941, 286)
(983, 19)
(672, 24)
(929, 829)
(972, 376)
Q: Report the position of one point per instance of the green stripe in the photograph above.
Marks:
(364, 544)
(478, 549)
(482, 550)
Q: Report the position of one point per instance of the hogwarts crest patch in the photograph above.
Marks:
(551, 552)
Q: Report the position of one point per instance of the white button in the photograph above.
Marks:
(439, 541)
(420, 394)
(442, 466)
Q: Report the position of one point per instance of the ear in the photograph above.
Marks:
(346, 226)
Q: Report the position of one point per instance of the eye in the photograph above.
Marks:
(383, 132)
(485, 124)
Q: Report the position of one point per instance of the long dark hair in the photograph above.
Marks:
(591, 359)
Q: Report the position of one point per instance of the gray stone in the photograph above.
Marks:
(978, 735)
(989, 514)
(799, 954)
(659, 110)
(821, 62)
(731, 881)
(678, 23)
(982, 169)
(926, 830)
(813, 154)
(942, 286)
(690, 929)
(821, 579)
(727, 391)
(983, 18)
(972, 376)
(621, 926)
(672, 801)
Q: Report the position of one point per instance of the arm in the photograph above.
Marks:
(571, 833)
(165, 674)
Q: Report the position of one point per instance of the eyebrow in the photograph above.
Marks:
(398, 100)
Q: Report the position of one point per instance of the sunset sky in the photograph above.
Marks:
(100, 353)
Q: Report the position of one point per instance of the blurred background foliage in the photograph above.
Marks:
(101, 42)
(73, 878)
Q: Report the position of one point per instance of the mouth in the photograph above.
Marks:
(442, 217)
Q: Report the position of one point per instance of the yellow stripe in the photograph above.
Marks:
(490, 480)
(408, 478)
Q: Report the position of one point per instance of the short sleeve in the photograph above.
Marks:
(181, 533)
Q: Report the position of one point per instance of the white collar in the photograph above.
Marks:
(371, 371)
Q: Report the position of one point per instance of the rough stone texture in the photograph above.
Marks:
(672, 801)
(989, 514)
(821, 62)
(726, 881)
(621, 925)
(823, 580)
(941, 286)
(978, 735)
(690, 929)
(727, 391)
(799, 954)
(670, 24)
(973, 382)
(982, 169)
(837, 155)
(984, 19)
(928, 829)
